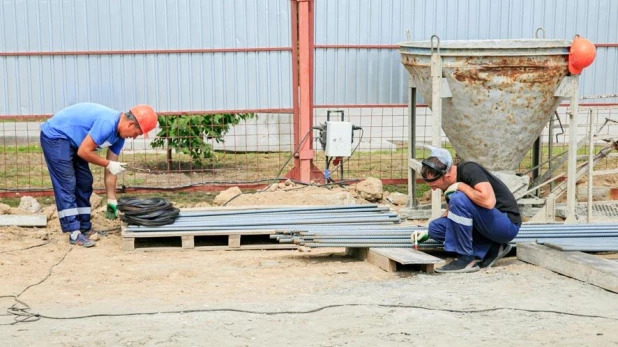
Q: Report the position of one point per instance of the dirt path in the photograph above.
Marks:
(107, 281)
(275, 298)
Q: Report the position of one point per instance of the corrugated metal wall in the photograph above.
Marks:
(375, 76)
(43, 84)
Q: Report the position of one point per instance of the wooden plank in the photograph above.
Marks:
(220, 248)
(128, 233)
(408, 256)
(128, 244)
(248, 247)
(234, 241)
(581, 266)
(381, 261)
(188, 241)
(25, 220)
(388, 258)
(373, 258)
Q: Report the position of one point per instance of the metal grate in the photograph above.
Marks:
(609, 209)
(602, 209)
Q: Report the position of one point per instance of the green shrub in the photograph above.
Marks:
(188, 133)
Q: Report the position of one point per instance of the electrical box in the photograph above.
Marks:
(338, 139)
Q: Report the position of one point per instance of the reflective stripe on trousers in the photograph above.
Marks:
(469, 229)
(72, 182)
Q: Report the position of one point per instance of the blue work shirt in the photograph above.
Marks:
(77, 121)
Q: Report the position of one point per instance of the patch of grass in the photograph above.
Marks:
(13, 202)
(33, 148)
(23, 167)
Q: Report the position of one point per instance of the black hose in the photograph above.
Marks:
(147, 212)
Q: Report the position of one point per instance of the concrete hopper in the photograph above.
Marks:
(502, 93)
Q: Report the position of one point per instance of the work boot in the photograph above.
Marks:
(460, 264)
(82, 240)
(91, 232)
(496, 252)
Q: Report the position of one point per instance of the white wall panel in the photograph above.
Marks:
(375, 76)
(43, 84)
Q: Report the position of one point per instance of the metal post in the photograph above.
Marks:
(590, 162)
(550, 149)
(412, 200)
(436, 116)
(536, 161)
(572, 164)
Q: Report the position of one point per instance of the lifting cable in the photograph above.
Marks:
(147, 212)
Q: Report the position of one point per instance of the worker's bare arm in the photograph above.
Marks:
(109, 179)
(481, 194)
(87, 151)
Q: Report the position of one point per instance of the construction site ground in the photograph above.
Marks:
(104, 296)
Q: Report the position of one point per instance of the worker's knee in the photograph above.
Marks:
(437, 229)
(458, 199)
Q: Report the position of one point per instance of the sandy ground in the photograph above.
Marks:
(104, 296)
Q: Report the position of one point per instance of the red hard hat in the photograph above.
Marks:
(581, 55)
(146, 118)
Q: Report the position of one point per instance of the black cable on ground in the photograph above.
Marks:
(20, 311)
(23, 249)
(147, 212)
(31, 317)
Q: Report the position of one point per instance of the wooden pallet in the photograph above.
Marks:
(202, 240)
(389, 259)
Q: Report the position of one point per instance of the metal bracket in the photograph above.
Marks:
(411, 82)
(568, 87)
(445, 90)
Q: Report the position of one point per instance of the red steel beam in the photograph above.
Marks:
(166, 113)
(358, 46)
(601, 104)
(377, 46)
(262, 110)
(217, 50)
(148, 51)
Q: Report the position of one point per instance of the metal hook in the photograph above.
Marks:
(536, 33)
(438, 45)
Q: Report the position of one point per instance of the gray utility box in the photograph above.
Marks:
(338, 139)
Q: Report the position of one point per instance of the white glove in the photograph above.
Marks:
(451, 189)
(419, 236)
(115, 167)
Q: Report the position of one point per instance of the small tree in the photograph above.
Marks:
(188, 133)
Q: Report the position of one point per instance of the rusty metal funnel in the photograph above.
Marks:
(502, 93)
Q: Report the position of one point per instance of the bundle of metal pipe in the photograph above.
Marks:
(593, 237)
(283, 219)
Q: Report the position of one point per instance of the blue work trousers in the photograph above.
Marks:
(469, 229)
(72, 182)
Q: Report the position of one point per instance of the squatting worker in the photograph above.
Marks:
(482, 215)
(69, 140)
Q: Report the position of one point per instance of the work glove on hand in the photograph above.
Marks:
(115, 167)
(420, 236)
(450, 190)
(112, 209)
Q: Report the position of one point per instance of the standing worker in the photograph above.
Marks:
(69, 140)
(481, 218)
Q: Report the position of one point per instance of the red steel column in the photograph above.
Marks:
(305, 153)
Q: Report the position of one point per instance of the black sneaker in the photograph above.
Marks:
(461, 264)
(495, 253)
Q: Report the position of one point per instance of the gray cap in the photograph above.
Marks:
(442, 154)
